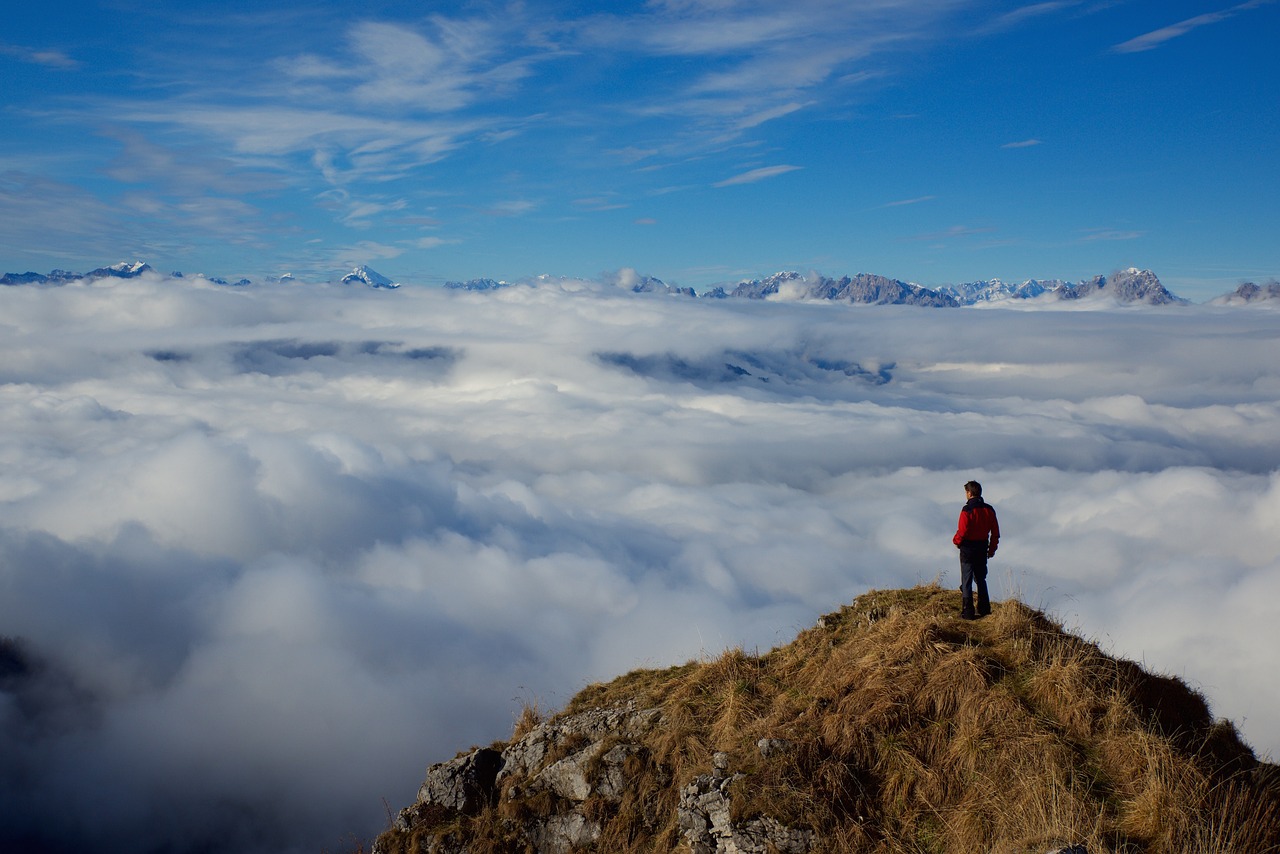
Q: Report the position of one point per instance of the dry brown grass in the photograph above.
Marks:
(914, 731)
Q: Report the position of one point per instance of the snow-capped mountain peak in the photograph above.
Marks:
(123, 270)
(368, 276)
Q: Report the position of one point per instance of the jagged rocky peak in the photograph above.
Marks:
(766, 287)
(122, 270)
(366, 275)
(642, 283)
(1251, 293)
(1126, 286)
(863, 288)
(888, 716)
(997, 290)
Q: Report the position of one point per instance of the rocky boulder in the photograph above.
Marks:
(572, 764)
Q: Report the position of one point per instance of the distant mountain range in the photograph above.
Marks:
(1125, 287)
(1131, 286)
(123, 270)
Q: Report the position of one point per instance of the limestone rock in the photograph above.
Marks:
(705, 819)
(465, 784)
(560, 834)
(572, 759)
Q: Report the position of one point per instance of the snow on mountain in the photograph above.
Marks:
(368, 276)
(123, 270)
(863, 289)
(995, 290)
(1124, 287)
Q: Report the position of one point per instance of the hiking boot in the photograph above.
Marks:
(968, 615)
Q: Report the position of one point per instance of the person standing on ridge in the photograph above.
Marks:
(977, 536)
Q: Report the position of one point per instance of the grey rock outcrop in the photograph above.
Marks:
(705, 819)
(573, 760)
(573, 763)
(465, 784)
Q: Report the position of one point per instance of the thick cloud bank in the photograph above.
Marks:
(265, 553)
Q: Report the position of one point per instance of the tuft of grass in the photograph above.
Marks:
(529, 719)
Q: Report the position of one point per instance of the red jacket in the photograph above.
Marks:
(978, 523)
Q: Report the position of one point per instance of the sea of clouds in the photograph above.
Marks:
(268, 552)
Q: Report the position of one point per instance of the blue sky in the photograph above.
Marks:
(700, 141)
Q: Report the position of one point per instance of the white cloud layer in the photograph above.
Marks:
(273, 550)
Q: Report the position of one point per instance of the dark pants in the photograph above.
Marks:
(973, 571)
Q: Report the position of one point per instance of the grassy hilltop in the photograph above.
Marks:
(891, 726)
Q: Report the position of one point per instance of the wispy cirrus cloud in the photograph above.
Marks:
(449, 66)
(401, 97)
(759, 59)
(1111, 234)
(36, 56)
(363, 251)
(769, 115)
(755, 175)
(1024, 14)
(952, 233)
(599, 203)
(1155, 38)
(42, 217)
(433, 242)
(340, 146)
(901, 203)
(1026, 143)
(512, 207)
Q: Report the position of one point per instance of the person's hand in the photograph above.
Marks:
(991, 552)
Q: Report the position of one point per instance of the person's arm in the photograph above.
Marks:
(962, 528)
(995, 535)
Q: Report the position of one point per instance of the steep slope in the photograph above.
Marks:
(891, 726)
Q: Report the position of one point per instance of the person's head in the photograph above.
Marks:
(973, 489)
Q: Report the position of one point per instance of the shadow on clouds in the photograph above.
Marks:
(745, 367)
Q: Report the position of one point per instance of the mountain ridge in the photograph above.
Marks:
(1125, 287)
(1131, 286)
(890, 726)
